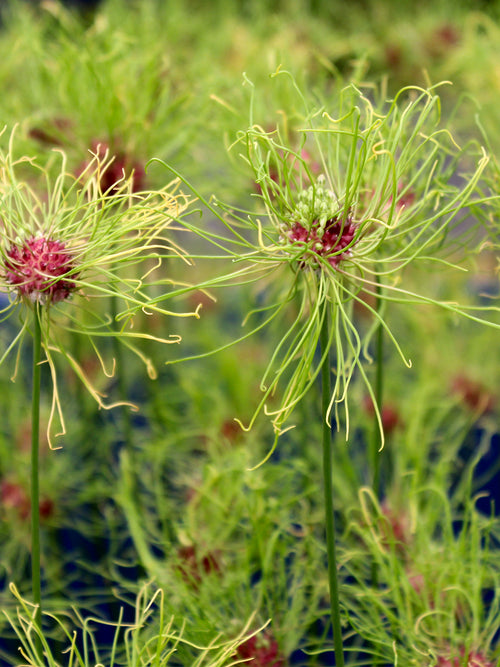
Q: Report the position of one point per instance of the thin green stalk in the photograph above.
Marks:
(379, 395)
(35, 446)
(328, 490)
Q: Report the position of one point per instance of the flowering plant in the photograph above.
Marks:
(347, 206)
(67, 251)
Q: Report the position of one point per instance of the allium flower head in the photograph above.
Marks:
(390, 188)
(67, 248)
(36, 268)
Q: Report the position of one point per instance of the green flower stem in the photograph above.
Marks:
(35, 446)
(379, 395)
(328, 490)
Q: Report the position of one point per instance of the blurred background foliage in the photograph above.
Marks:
(167, 493)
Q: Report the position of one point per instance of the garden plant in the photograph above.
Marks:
(249, 281)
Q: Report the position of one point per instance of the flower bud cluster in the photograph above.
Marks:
(315, 206)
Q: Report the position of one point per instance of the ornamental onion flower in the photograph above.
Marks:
(36, 267)
(67, 247)
(394, 190)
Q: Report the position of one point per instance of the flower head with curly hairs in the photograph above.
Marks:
(343, 209)
(67, 248)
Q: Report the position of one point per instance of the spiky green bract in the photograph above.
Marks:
(92, 245)
(347, 202)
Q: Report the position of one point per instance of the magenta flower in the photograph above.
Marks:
(38, 268)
